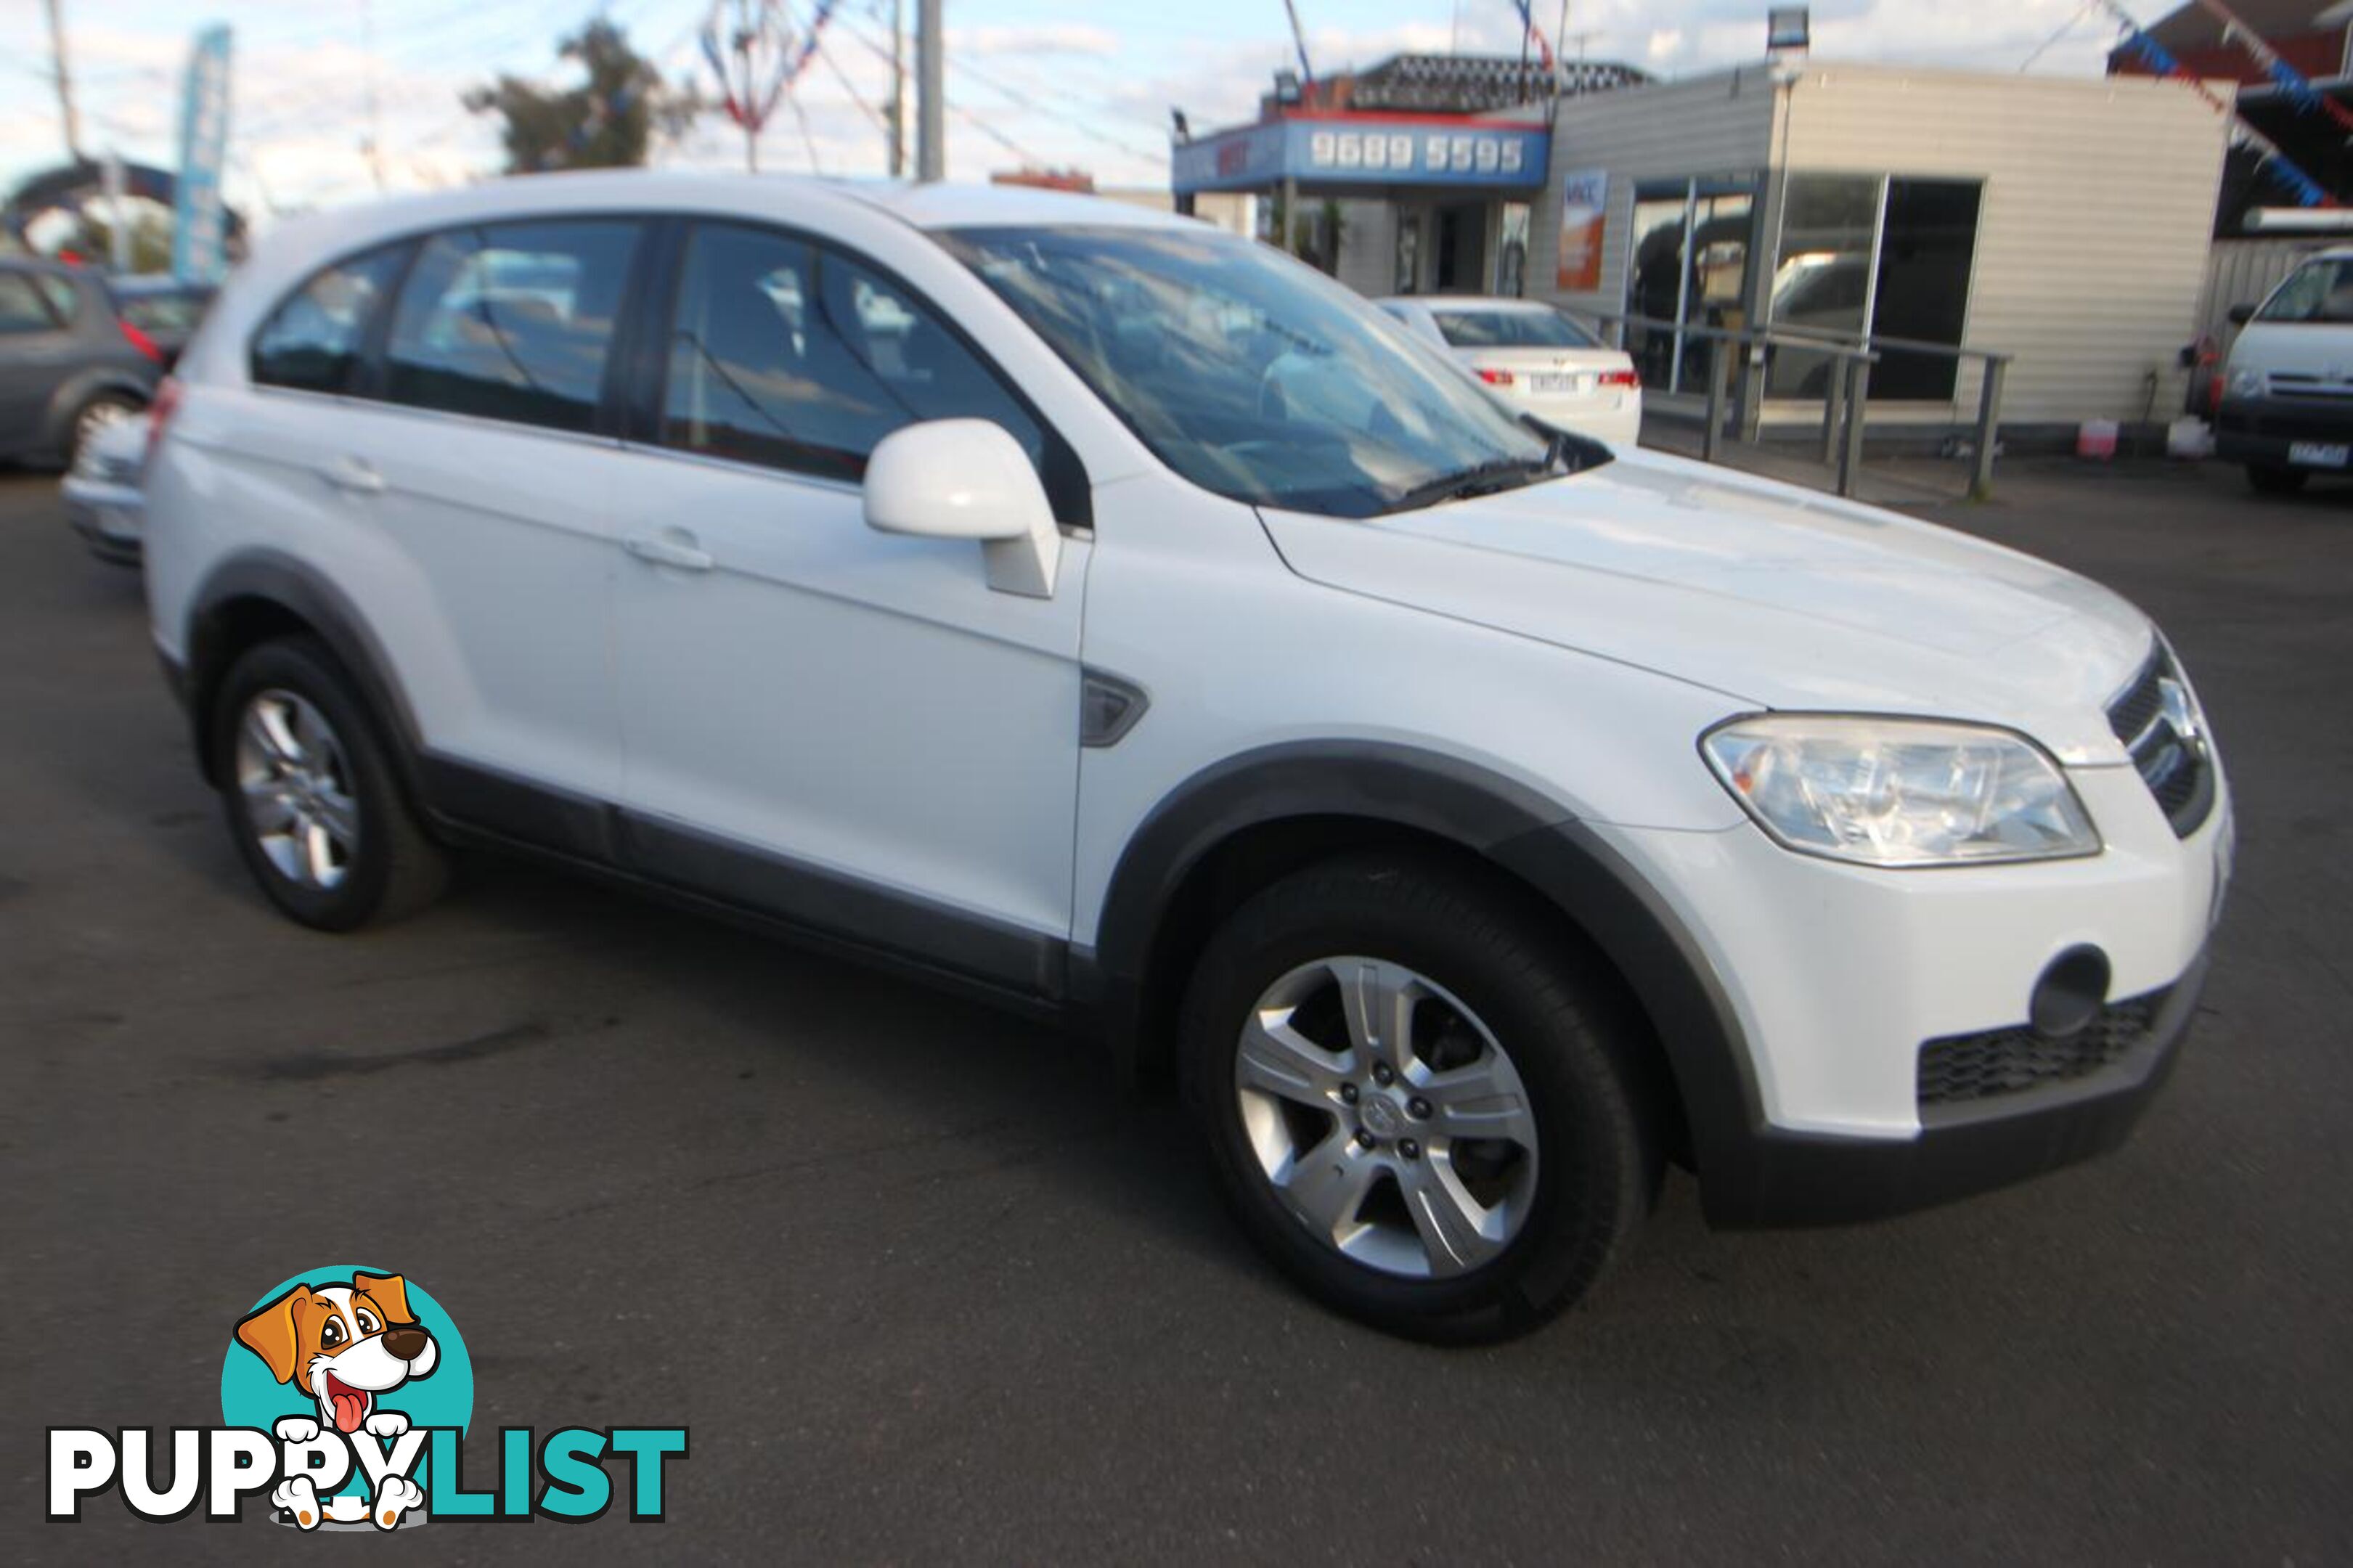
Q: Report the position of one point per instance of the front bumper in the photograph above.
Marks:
(112, 517)
(2265, 431)
(1787, 1179)
(1820, 984)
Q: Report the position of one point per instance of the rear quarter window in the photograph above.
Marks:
(312, 342)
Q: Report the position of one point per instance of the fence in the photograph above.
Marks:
(1846, 410)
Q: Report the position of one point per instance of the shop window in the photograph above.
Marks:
(1887, 254)
(1821, 276)
(1689, 267)
(1930, 242)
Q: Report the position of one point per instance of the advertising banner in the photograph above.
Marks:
(199, 226)
(1584, 229)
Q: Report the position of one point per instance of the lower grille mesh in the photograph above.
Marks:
(1966, 1067)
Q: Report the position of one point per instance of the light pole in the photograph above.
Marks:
(931, 101)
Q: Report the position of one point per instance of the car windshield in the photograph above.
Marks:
(1513, 330)
(2318, 292)
(1256, 377)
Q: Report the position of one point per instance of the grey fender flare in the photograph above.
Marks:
(1497, 818)
(279, 580)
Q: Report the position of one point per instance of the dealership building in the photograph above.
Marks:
(2063, 221)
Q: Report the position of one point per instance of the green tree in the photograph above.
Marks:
(605, 122)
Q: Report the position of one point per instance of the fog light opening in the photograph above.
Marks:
(2072, 992)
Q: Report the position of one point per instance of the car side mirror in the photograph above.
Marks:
(2242, 314)
(969, 479)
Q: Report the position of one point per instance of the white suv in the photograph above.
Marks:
(1123, 622)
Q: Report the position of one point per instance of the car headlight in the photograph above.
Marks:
(1900, 792)
(2246, 383)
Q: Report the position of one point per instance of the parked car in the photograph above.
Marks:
(71, 363)
(2287, 387)
(1467, 820)
(104, 501)
(1536, 357)
(166, 309)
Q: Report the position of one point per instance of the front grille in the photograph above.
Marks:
(1968, 1068)
(2154, 719)
(2310, 388)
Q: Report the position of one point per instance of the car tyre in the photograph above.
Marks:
(95, 414)
(2276, 481)
(310, 796)
(1501, 1022)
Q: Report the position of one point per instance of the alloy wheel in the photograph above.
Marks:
(1387, 1117)
(298, 799)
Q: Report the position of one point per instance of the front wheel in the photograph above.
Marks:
(1419, 1101)
(2276, 481)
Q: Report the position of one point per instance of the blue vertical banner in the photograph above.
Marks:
(199, 224)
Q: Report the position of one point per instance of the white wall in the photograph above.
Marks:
(2098, 216)
(2092, 242)
(1711, 125)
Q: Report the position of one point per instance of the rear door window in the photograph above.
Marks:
(312, 341)
(511, 322)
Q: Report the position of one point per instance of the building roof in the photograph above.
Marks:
(1464, 84)
(2192, 26)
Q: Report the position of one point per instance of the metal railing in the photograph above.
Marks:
(1846, 404)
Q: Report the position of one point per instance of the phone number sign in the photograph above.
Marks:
(1364, 150)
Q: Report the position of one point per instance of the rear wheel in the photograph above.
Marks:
(310, 794)
(2276, 481)
(1417, 1101)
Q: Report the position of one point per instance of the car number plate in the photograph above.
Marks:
(1556, 383)
(2319, 455)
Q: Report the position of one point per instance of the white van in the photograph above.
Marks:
(2287, 390)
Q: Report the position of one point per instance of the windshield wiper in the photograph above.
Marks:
(1479, 480)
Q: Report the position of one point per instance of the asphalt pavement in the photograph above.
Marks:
(924, 1287)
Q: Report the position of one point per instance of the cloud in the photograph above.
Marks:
(1074, 39)
(1087, 94)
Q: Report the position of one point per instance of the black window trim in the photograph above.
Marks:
(636, 366)
(1068, 488)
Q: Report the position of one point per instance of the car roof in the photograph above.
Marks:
(1449, 304)
(932, 206)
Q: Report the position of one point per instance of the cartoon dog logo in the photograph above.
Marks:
(345, 1346)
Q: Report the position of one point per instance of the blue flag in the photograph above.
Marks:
(199, 223)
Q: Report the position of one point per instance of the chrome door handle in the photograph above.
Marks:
(354, 475)
(672, 547)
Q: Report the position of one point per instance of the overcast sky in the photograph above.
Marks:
(1055, 81)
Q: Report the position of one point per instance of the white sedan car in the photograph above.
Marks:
(104, 501)
(1537, 358)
